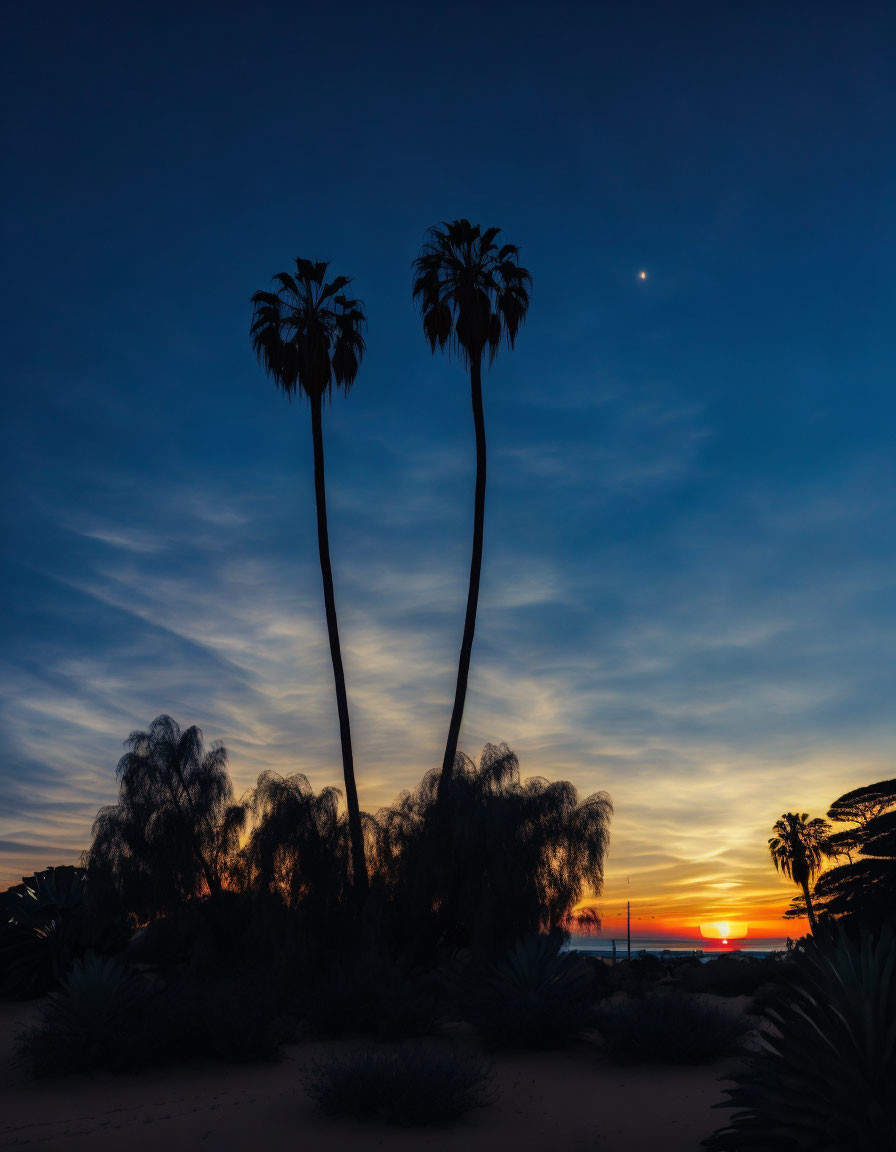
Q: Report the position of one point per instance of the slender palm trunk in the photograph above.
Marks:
(466, 648)
(810, 911)
(359, 864)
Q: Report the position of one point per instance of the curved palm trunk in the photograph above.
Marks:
(466, 648)
(359, 864)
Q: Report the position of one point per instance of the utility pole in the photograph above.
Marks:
(628, 926)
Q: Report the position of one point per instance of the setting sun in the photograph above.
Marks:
(724, 930)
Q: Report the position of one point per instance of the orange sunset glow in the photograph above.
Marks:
(724, 930)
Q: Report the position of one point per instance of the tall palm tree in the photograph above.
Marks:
(307, 335)
(797, 849)
(472, 294)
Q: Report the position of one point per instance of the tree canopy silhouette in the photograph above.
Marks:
(299, 848)
(175, 826)
(514, 858)
(864, 888)
(307, 335)
(797, 849)
(473, 294)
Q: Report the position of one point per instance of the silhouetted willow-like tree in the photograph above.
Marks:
(797, 850)
(472, 294)
(515, 858)
(175, 828)
(307, 335)
(299, 848)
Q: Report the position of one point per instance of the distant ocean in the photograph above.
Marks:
(655, 945)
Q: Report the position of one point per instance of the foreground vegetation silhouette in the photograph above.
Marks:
(824, 1075)
(270, 877)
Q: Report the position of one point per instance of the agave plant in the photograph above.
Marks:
(536, 996)
(825, 1077)
(103, 1015)
(47, 922)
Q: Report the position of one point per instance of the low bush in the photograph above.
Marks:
(670, 1028)
(368, 996)
(105, 1015)
(412, 1085)
(730, 974)
(231, 1018)
(536, 997)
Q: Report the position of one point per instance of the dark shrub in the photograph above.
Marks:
(368, 993)
(825, 1075)
(670, 1028)
(730, 974)
(414, 1084)
(105, 1015)
(536, 996)
(230, 1018)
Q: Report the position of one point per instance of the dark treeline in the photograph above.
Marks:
(496, 860)
(846, 874)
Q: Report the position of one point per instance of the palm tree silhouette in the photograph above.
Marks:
(307, 335)
(797, 849)
(471, 294)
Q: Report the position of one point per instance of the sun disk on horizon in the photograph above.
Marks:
(724, 930)
(642, 275)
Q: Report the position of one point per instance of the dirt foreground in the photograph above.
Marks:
(542, 1102)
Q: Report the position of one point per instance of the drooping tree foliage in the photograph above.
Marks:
(175, 828)
(472, 294)
(299, 849)
(496, 859)
(797, 851)
(307, 335)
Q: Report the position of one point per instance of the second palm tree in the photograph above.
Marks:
(472, 294)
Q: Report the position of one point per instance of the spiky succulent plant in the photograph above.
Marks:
(825, 1077)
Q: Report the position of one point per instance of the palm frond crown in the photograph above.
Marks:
(797, 848)
(308, 333)
(472, 292)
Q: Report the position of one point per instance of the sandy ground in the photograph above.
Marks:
(542, 1102)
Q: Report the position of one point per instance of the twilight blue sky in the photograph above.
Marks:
(687, 594)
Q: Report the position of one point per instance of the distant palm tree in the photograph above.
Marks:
(472, 294)
(797, 849)
(307, 335)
